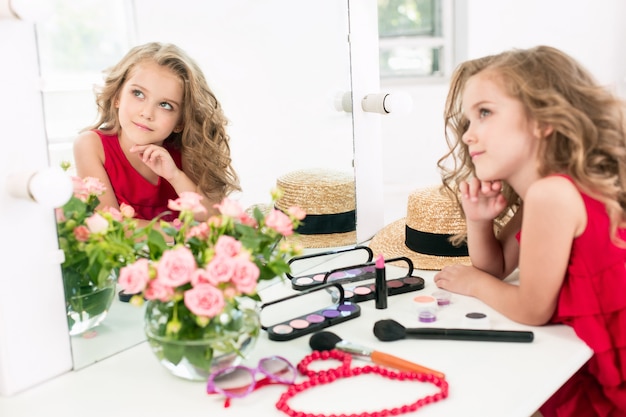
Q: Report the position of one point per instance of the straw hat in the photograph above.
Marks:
(329, 199)
(423, 236)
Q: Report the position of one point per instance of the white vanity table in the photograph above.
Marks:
(485, 378)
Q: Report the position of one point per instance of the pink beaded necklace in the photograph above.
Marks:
(345, 371)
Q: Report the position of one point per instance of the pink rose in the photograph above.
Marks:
(204, 300)
(215, 222)
(134, 277)
(176, 267)
(81, 233)
(200, 276)
(97, 224)
(115, 213)
(246, 275)
(227, 246)
(296, 212)
(200, 231)
(220, 269)
(280, 222)
(94, 186)
(230, 208)
(158, 291)
(127, 211)
(248, 220)
(187, 201)
(80, 191)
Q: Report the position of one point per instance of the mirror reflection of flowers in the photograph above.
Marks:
(197, 279)
(96, 244)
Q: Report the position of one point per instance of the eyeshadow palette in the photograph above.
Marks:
(396, 286)
(338, 312)
(342, 268)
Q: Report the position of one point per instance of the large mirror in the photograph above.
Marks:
(279, 68)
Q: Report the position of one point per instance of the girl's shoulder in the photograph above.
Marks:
(558, 197)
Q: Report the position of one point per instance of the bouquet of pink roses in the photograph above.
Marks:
(196, 284)
(96, 244)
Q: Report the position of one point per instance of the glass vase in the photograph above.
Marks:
(87, 306)
(194, 352)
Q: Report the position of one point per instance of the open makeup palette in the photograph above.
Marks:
(399, 280)
(304, 323)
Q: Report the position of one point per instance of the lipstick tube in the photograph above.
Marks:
(381, 283)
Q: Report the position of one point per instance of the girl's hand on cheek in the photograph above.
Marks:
(482, 200)
(158, 159)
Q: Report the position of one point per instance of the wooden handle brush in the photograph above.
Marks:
(325, 340)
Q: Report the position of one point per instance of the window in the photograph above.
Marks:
(415, 38)
(75, 44)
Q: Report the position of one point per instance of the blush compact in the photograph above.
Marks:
(311, 321)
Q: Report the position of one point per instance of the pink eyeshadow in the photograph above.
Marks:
(304, 281)
(315, 318)
(282, 329)
(362, 290)
(319, 277)
(299, 324)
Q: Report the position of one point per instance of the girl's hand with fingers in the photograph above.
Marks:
(158, 159)
(482, 200)
(459, 279)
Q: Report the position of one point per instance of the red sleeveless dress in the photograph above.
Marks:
(592, 300)
(130, 187)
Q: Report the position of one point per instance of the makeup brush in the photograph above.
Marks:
(389, 330)
(325, 340)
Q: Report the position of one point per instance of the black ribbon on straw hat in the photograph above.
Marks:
(329, 199)
(424, 234)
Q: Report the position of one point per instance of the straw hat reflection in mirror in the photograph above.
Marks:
(423, 236)
(329, 199)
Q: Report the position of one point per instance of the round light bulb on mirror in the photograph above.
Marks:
(385, 103)
(50, 187)
(398, 103)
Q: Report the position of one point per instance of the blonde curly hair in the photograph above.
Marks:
(203, 141)
(588, 142)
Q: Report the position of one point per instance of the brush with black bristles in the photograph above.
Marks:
(389, 330)
(325, 340)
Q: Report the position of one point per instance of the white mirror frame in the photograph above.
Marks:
(33, 329)
(35, 343)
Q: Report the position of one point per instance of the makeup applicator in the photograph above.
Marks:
(325, 340)
(389, 330)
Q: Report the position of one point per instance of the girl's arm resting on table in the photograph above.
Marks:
(495, 255)
(554, 215)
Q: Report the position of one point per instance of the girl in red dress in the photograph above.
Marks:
(160, 132)
(538, 145)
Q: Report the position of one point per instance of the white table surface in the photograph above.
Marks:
(485, 378)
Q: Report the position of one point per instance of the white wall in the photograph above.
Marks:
(592, 31)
